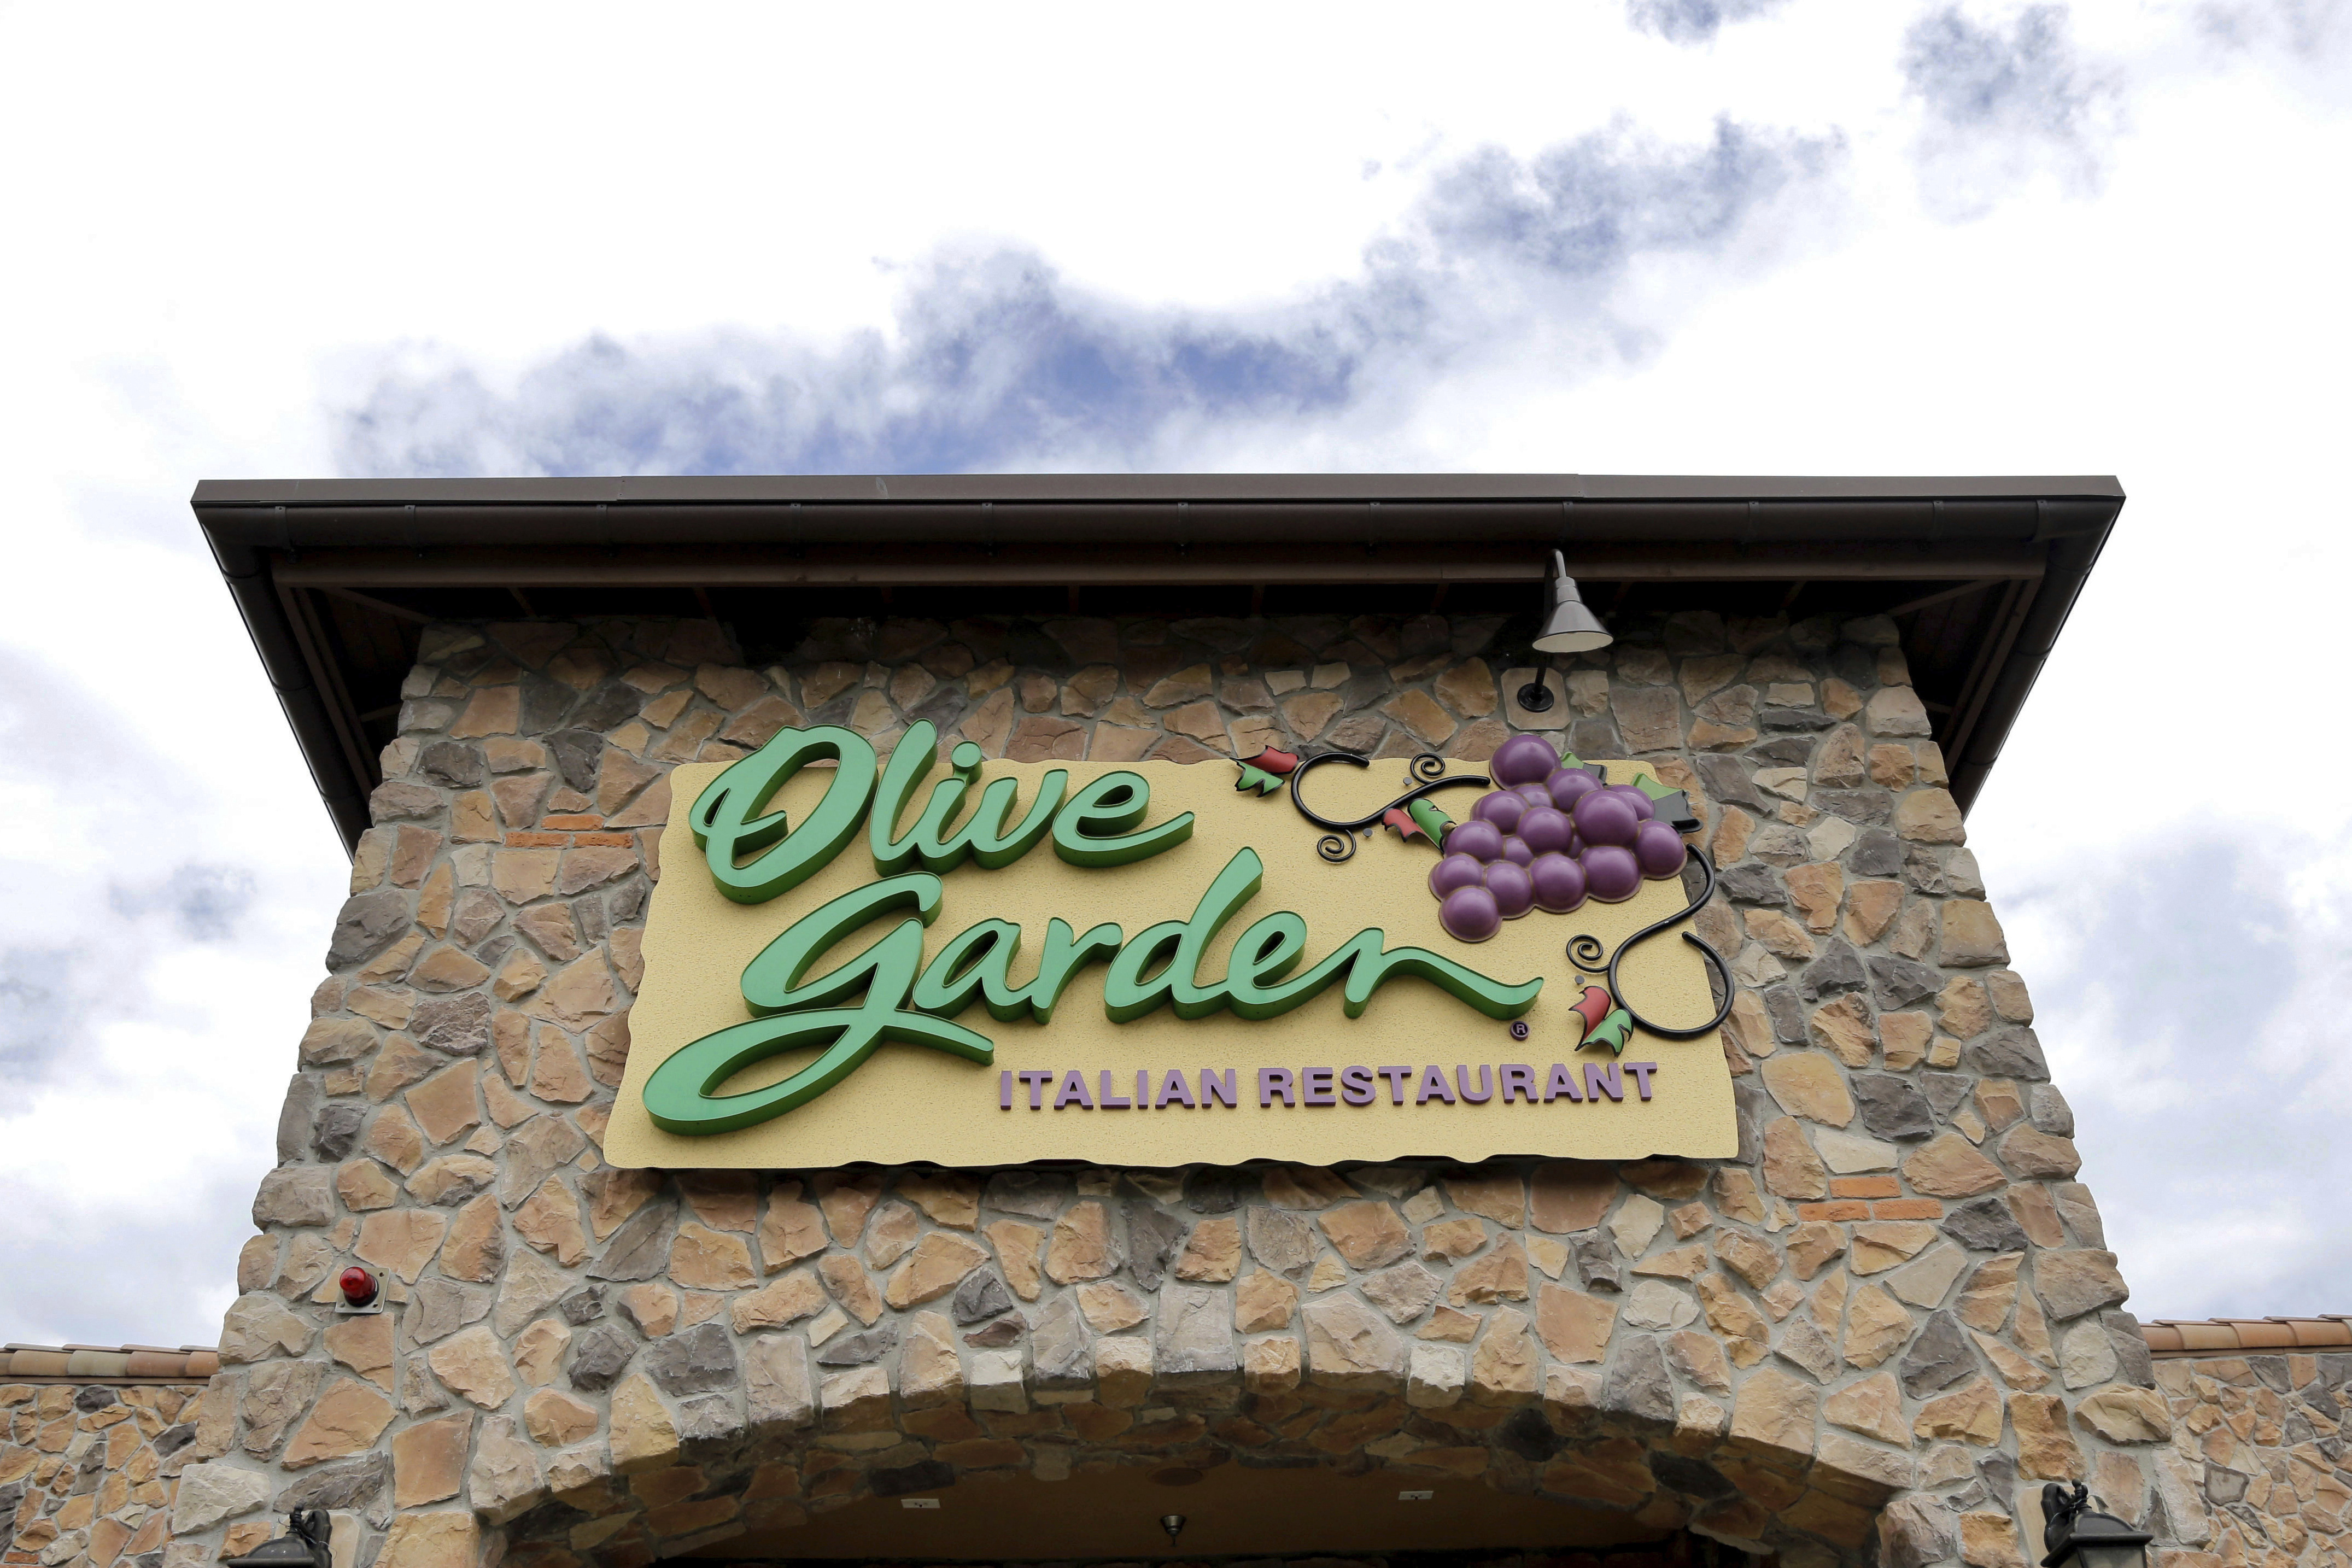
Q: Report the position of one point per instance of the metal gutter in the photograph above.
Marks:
(935, 489)
(280, 543)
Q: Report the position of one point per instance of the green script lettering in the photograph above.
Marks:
(726, 824)
(905, 999)
(682, 1094)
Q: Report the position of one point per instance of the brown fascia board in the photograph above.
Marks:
(272, 538)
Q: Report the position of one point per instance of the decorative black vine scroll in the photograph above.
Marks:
(1340, 843)
(1586, 950)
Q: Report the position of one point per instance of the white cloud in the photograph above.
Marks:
(2191, 987)
(535, 237)
(993, 361)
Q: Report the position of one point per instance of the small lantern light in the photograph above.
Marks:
(304, 1544)
(2079, 1536)
(1569, 627)
(1173, 1523)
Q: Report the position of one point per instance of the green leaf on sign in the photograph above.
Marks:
(1652, 787)
(1614, 1031)
(1257, 779)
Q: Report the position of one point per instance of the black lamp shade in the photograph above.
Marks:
(304, 1544)
(278, 1551)
(2080, 1536)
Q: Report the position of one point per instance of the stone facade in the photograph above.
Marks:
(2253, 1473)
(1873, 1335)
(2256, 1471)
(88, 1472)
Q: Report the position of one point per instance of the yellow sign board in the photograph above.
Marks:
(1417, 1071)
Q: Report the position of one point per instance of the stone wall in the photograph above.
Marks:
(1872, 1334)
(2256, 1472)
(87, 1473)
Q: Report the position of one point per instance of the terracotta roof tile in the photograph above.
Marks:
(2247, 1336)
(107, 1364)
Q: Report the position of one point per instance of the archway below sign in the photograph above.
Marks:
(1230, 1511)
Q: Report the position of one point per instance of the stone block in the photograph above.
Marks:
(1776, 1411)
(1270, 1366)
(995, 1383)
(1949, 1166)
(258, 1327)
(1123, 1370)
(937, 1264)
(1436, 1377)
(931, 1372)
(295, 1195)
(643, 1434)
(209, 1493)
(436, 1539)
(2125, 1416)
(1082, 1247)
(1505, 1366)
(504, 1479)
(1349, 1347)
(2071, 1283)
(428, 1460)
(473, 1366)
(1499, 1194)
(1192, 1340)
(2045, 1451)
(1368, 1235)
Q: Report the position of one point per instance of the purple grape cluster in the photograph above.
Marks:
(1547, 837)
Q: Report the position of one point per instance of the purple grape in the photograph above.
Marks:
(1513, 889)
(1547, 829)
(1468, 914)
(1603, 817)
(1569, 785)
(1517, 850)
(1523, 759)
(1643, 805)
(1480, 840)
(1575, 850)
(1535, 795)
(1559, 883)
(1503, 808)
(1659, 849)
(1610, 873)
(1455, 871)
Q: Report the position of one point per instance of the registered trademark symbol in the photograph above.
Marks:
(1518, 1029)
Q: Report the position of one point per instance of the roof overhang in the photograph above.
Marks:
(335, 577)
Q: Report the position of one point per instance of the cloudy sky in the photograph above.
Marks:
(1601, 236)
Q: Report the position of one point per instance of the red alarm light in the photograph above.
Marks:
(358, 1285)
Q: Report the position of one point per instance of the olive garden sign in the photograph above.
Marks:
(849, 959)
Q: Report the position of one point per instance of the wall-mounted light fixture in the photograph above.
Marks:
(359, 1291)
(1569, 627)
(304, 1544)
(2079, 1536)
(1173, 1523)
